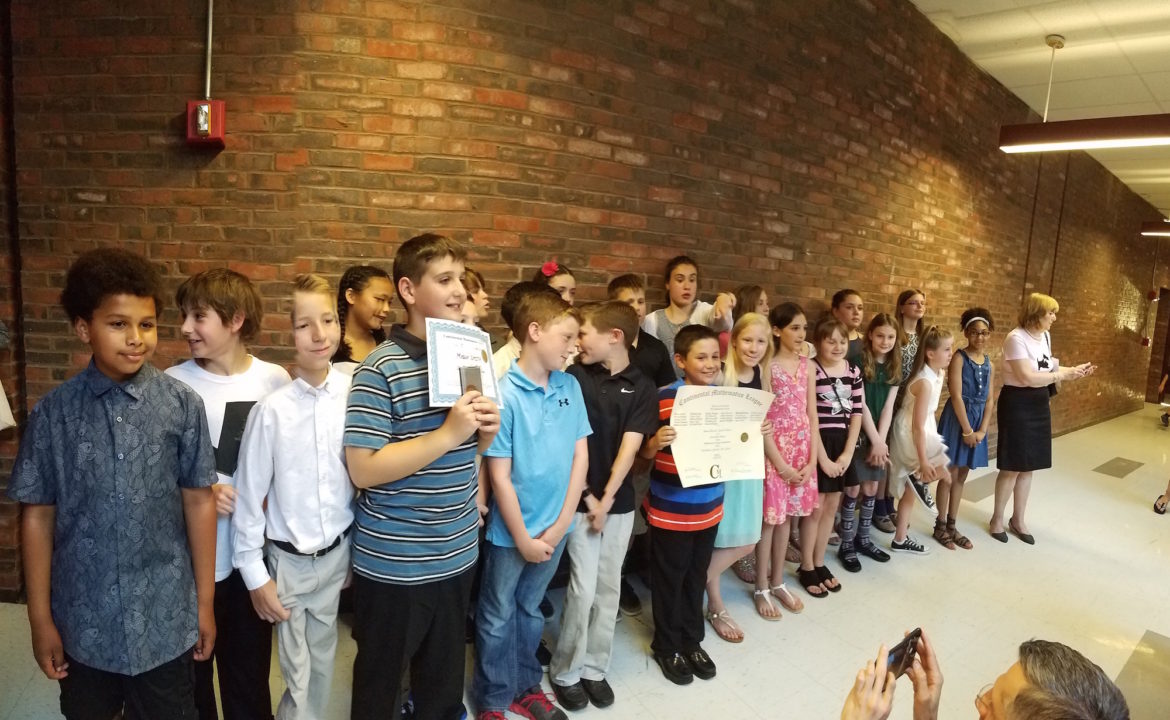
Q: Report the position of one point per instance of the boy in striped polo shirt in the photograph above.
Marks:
(416, 523)
(685, 521)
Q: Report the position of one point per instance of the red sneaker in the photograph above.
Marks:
(534, 704)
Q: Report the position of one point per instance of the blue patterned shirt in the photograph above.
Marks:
(113, 457)
(425, 527)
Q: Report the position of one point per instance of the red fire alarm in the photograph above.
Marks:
(205, 123)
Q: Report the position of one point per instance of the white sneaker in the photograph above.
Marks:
(910, 546)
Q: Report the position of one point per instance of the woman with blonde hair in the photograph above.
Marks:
(1030, 376)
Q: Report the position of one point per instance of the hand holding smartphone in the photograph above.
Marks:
(901, 656)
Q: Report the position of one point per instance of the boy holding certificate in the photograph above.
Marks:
(416, 524)
(685, 521)
(620, 402)
(537, 466)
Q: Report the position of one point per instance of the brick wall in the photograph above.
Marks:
(11, 357)
(805, 146)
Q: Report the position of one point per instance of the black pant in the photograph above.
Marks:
(678, 578)
(243, 657)
(167, 691)
(417, 626)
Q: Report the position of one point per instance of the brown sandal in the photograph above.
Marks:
(957, 537)
(943, 535)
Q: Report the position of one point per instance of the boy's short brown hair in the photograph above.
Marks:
(690, 335)
(417, 253)
(629, 281)
(542, 309)
(612, 315)
(228, 293)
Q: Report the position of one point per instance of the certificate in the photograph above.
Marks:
(718, 435)
(452, 347)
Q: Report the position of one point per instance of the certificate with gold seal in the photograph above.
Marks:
(718, 433)
(452, 349)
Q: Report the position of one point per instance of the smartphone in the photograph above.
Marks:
(470, 378)
(902, 655)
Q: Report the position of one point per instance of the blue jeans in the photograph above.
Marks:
(509, 624)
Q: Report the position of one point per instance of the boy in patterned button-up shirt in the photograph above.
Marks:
(118, 524)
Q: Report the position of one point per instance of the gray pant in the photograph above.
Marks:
(591, 600)
(309, 588)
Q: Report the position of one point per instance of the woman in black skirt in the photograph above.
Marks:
(1031, 374)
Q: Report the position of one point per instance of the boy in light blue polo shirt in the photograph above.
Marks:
(537, 465)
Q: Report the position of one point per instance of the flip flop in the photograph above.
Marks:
(745, 568)
(790, 602)
(1160, 504)
(756, 595)
(723, 618)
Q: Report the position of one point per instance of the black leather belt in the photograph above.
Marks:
(292, 549)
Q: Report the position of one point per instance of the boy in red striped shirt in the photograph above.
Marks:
(684, 521)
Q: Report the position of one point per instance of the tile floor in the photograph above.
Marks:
(1096, 580)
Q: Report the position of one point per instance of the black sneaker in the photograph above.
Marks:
(543, 655)
(922, 492)
(873, 552)
(599, 692)
(848, 557)
(628, 601)
(910, 546)
(546, 607)
(534, 705)
(571, 697)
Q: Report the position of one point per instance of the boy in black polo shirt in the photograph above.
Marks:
(622, 408)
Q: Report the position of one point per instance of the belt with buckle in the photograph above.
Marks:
(292, 549)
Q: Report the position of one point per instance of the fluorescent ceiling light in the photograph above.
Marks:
(1089, 134)
(1156, 229)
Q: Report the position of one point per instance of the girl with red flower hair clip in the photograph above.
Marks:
(558, 277)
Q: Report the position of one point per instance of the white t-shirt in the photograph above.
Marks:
(658, 325)
(227, 400)
(1020, 345)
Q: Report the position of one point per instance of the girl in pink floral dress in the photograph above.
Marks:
(790, 482)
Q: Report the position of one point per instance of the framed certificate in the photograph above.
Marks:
(455, 353)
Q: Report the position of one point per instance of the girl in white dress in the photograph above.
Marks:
(918, 453)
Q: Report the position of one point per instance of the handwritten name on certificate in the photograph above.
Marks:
(718, 433)
(452, 346)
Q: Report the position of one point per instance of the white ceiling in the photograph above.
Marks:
(1115, 61)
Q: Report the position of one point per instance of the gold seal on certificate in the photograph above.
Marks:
(718, 433)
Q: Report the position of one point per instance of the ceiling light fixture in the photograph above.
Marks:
(1156, 229)
(1088, 134)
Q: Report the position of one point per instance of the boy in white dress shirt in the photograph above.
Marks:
(292, 456)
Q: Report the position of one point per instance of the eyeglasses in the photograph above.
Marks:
(983, 699)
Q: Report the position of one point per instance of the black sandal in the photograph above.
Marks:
(826, 576)
(1160, 504)
(811, 581)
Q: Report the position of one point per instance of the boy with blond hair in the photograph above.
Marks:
(293, 490)
(537, 467)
